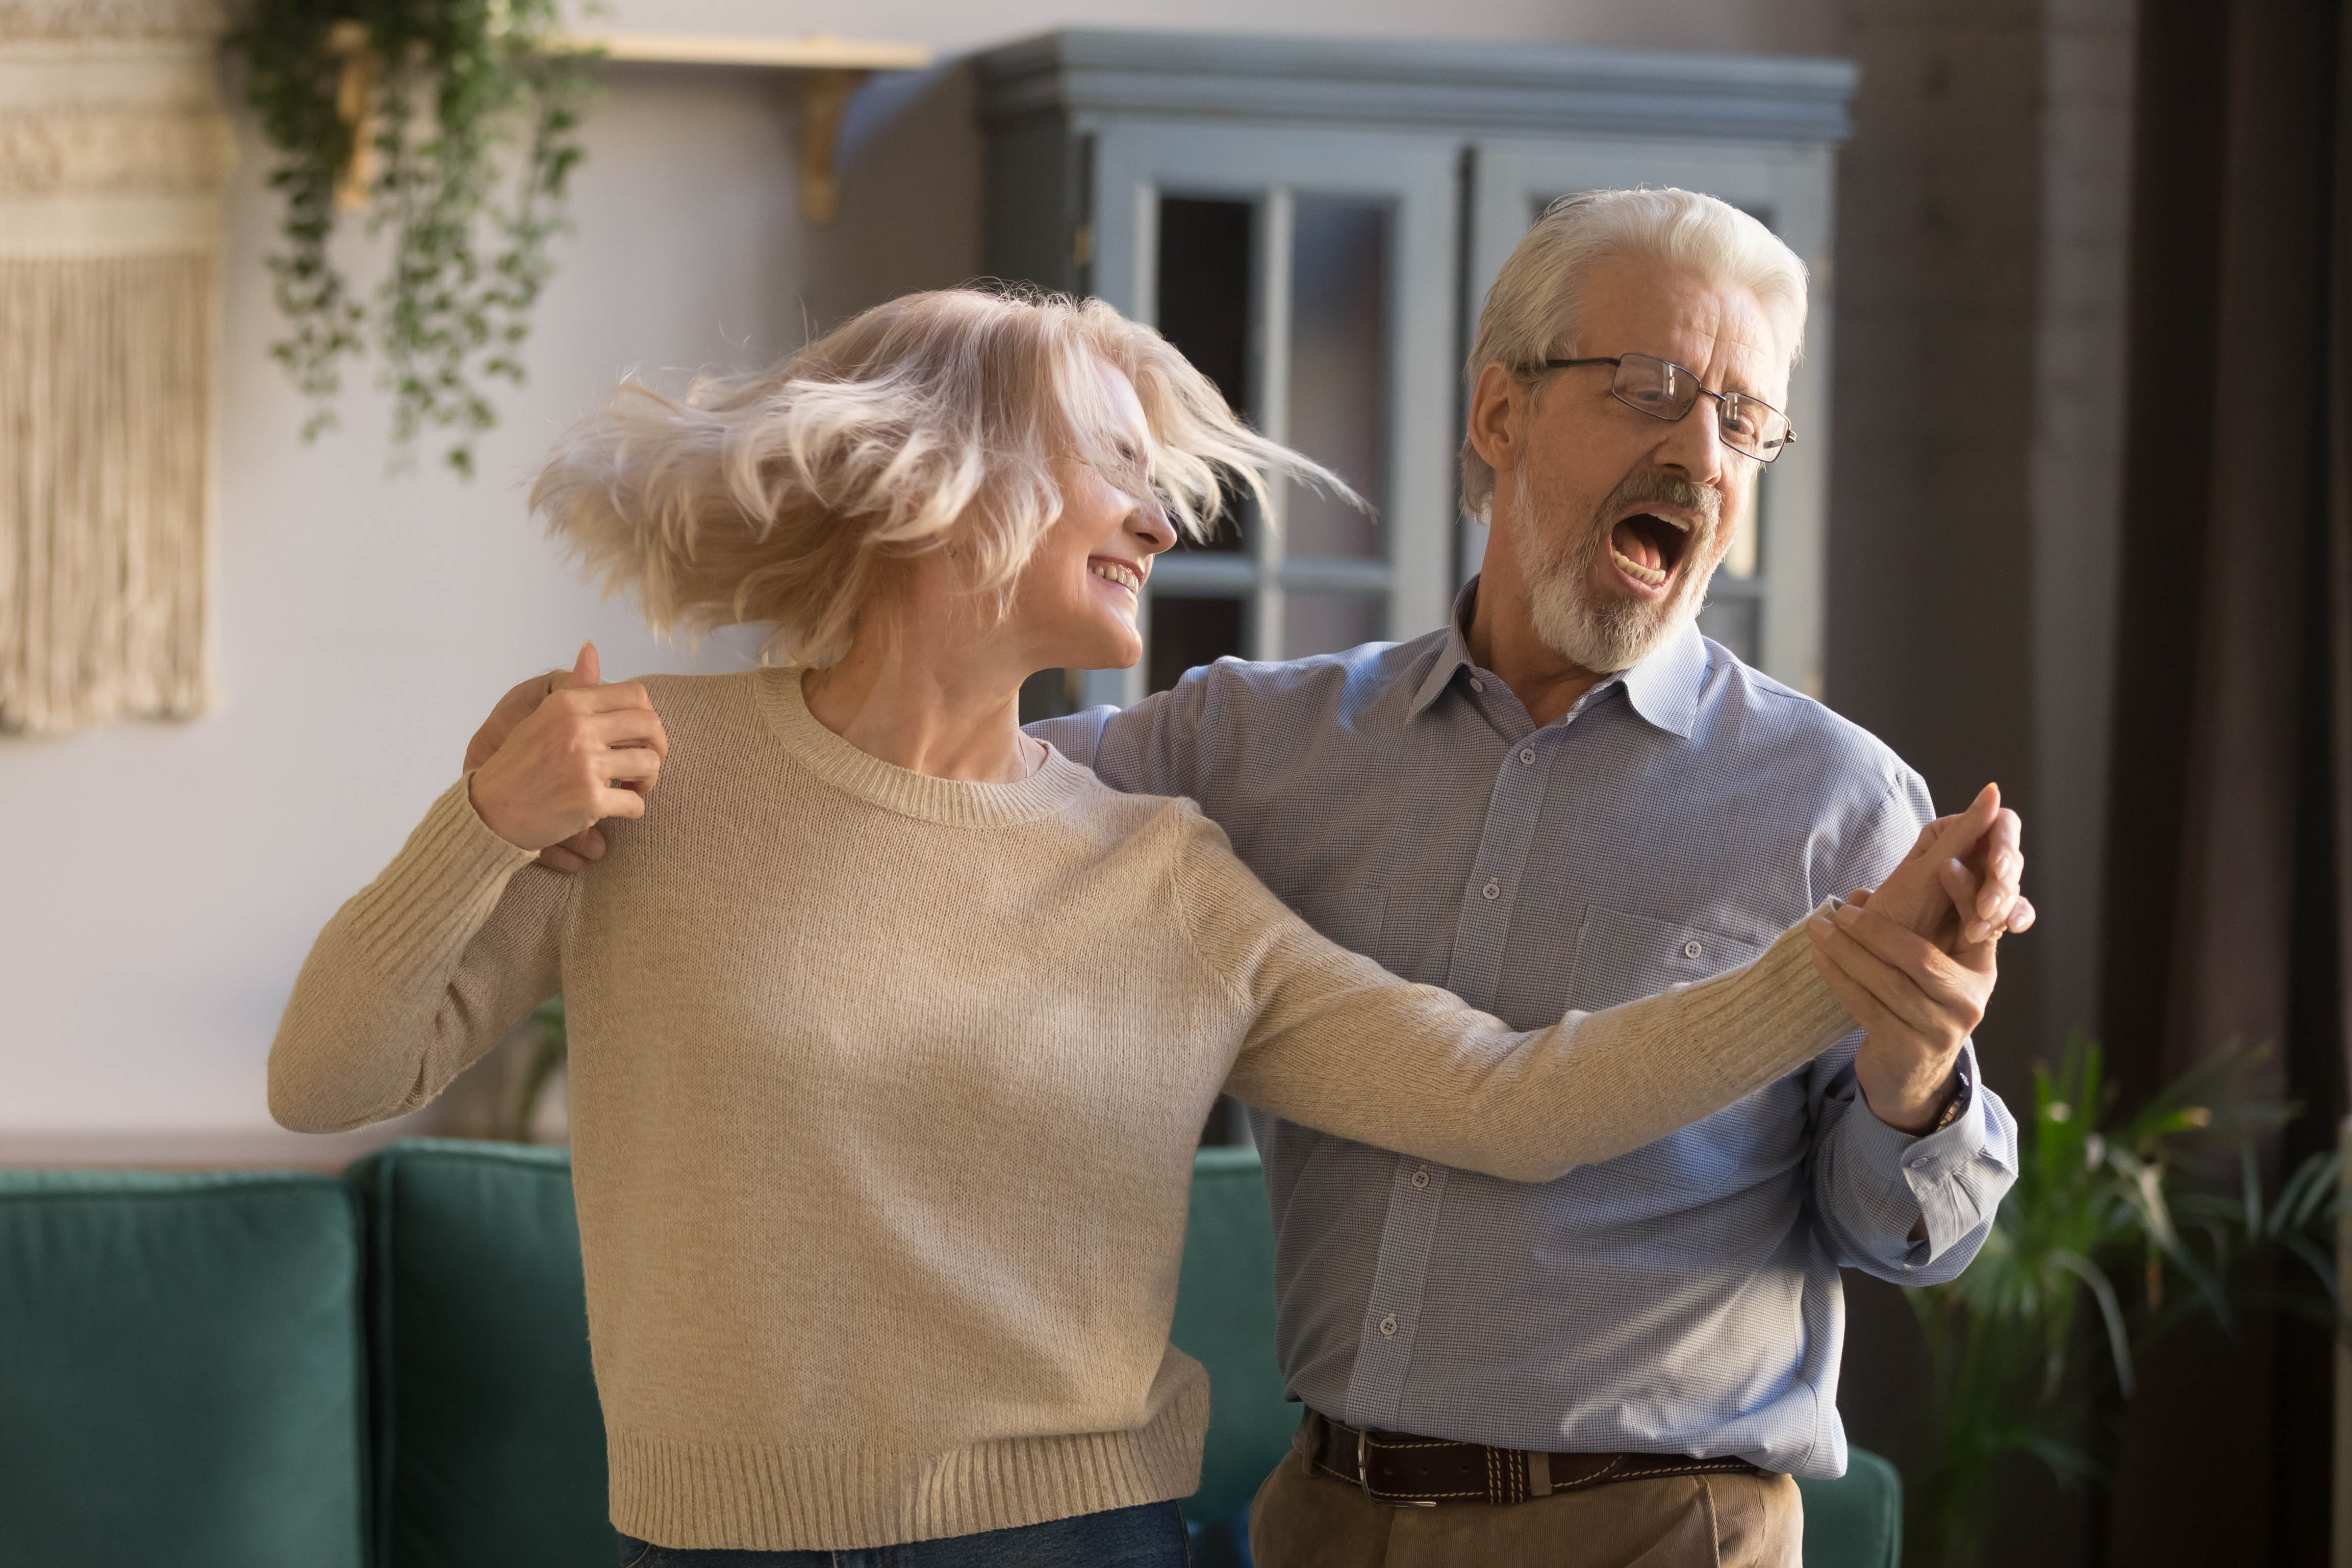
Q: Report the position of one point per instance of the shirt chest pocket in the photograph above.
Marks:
(1623, 957)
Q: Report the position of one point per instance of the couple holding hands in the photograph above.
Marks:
(1595, 998)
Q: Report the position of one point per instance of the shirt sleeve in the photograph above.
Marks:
(1874, 1185)
(418, 975)
(1329, 1039)
(1156, 747)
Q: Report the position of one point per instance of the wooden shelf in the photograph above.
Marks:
(813, 51)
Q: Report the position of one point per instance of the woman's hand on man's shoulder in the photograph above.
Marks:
(558, 755)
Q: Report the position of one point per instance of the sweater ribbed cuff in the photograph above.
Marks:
(1815, 1008)
(416, 917)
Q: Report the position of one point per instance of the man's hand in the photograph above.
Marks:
(567, 758)
(1915, 963)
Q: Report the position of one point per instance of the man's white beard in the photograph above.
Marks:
(1615, 634)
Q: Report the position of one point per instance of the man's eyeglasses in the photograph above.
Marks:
(1664, 390)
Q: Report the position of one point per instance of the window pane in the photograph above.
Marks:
(1204, 304)
(1186, 632)
(1739, 561)
(1327, 623)
(1049, 694)
(1738, 623)
(1338, 369)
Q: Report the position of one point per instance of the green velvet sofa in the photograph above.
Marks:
(390, 1370)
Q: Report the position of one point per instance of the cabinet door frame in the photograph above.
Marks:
(1136, 162)
(1793, 186)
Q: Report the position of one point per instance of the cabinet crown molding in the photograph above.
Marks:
(1473, 87)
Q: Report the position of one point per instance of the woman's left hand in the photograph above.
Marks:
(1916, 964)
(1918, 1005)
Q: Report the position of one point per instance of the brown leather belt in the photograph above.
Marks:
(1405, 1471)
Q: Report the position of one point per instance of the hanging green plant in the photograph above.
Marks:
(406, 107)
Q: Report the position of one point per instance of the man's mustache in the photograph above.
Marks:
(1659, 486)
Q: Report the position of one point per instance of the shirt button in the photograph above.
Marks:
(1421, 1177)
(1691, 949)
(1476, 684)
(1492, 889)
(1388, 1325)
(1527, 756)
(1919, 1164)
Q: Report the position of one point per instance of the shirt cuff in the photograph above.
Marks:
(1926, 1170)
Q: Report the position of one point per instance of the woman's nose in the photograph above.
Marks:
(1148, 522)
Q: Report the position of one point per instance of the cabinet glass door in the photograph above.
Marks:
(1311, 274)
(1766, 601)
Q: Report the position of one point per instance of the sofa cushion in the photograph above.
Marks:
(181, 1370)
(1224, 1320)
(491, 1445)
(1856, 1521)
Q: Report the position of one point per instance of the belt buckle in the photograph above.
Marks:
(1364, 1476)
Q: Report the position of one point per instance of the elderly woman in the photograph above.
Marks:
(893, 1030)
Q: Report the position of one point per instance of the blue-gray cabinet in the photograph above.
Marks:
(1316, 222)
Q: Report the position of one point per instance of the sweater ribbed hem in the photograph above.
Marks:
(902, 790)
(767, 1496)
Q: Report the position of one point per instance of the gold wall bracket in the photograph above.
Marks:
(831, 69)
(355, 90)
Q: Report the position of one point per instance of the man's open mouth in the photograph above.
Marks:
(1647, 546)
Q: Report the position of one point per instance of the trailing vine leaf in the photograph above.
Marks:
(291, 81)
(459, 85)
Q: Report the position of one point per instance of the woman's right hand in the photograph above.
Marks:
(1958, 888)
(584, 753)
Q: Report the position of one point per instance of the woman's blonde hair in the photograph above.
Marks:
(789, 497)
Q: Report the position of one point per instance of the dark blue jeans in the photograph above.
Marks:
(1148, 1536)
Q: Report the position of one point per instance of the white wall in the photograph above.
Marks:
(164, 881)
(160, 883)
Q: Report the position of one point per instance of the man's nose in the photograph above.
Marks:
(1693, 444)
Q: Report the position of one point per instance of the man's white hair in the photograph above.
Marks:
(1533, 311)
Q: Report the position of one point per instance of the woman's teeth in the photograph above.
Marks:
(1127, 579)
(1636, 570)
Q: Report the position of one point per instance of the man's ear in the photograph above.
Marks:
(1498, 411)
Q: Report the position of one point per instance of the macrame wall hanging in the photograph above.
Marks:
(114, 151)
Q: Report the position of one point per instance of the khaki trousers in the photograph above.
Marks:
(1306, 1519)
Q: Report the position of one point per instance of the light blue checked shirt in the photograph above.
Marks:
(1684, 1298)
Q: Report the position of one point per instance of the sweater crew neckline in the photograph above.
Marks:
(956, 801)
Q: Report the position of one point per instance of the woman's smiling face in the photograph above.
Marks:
(1078, 602)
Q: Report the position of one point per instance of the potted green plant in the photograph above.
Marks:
(550, 1055)
(409, 108)
(2122, 1224)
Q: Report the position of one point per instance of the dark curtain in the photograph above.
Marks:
(2227, 876)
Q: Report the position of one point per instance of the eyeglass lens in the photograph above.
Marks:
(1664, 389)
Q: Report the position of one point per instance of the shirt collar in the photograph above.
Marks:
(1664, 688)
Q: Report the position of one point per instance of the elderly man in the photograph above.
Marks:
(1623, 1366)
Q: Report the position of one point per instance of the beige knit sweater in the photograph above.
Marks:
(885, 1090)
